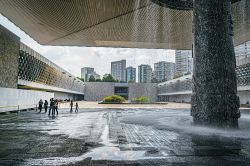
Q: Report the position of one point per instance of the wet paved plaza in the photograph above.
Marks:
(120, 137)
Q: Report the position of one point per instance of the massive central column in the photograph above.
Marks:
(214, 100)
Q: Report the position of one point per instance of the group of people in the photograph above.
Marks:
(53, 106)
(71, 106)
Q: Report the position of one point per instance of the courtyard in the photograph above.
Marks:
(120, 136)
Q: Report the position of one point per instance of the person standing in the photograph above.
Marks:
(51, 107)
(46, 105)
(56, 106)
(40, 103)
(71, 106)
(76, 107)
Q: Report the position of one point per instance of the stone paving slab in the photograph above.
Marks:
(128, 137)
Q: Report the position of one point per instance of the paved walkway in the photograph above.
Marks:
(128, 136)
(88, 104)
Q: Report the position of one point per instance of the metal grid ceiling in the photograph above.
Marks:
(112, 23)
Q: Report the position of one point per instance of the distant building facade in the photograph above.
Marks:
(130, 74)
(118, 70)
(164, 71)
(87, 72)
(94, 74)
(180, 89)
(183, 62)
(242, 51)
(144, 73)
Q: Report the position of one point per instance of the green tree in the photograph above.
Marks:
(98, 80)
(131, 81)
(177, 75)
(92, 79)
(108, 78)
(113, 99)
(154, 80)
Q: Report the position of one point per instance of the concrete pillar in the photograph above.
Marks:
(214, 99)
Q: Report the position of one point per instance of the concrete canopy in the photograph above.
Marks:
(112, 23)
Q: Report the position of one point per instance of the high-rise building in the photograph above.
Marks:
(243, 50)
(164, 71)
(94, 74)
(130, 74)
(87, 72)
(118, 70)
(144, 74)
(242, 54)
(183, 61)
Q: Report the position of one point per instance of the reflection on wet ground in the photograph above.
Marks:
(120, 137)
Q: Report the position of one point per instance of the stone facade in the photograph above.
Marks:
(146, 89)
(9, 53)
(36, 71)
(98, 90)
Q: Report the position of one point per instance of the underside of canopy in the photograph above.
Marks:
(114, 23)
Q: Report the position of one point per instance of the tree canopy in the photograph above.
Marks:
(92, 79)
(108, 78)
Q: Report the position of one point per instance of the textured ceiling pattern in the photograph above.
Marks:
(112, 23)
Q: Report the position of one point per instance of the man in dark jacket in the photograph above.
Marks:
(51, 107)
(40, 105)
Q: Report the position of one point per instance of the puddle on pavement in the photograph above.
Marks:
(156, 129)
(108, 151)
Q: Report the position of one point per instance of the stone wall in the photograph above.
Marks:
(145, 89)
(9, 53)
(98, 90)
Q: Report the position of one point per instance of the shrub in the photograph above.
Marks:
(113, 99)
(141, 99)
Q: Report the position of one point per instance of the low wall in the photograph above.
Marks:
(14, 99)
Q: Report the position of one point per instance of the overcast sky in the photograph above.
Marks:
(73, 59)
